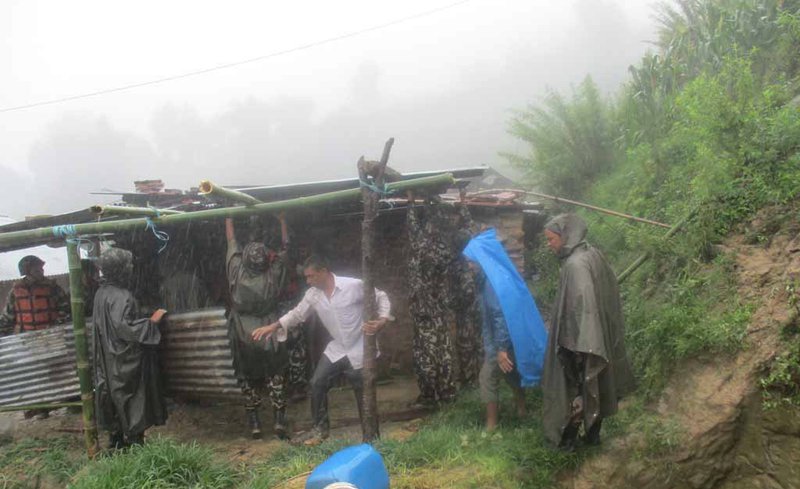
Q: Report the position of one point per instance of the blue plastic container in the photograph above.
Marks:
(359, 465)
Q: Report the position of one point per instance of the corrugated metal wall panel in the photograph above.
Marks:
(196, 356)
(39, 367)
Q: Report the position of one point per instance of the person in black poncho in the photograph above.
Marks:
(129, 395)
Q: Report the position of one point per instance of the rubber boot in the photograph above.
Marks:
(254, 423)
(491, 416)
(281, 426)
(116, 441)
(593, 435)
(136, 439)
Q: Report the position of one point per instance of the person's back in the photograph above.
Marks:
(128, 387)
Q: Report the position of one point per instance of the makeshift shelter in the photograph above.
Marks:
(196, 353)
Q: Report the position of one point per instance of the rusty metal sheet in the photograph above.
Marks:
(38, 367)
(196, 356)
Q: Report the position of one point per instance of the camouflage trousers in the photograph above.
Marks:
(255, 390)
(432, 351)
(298, 359)
(468, 345)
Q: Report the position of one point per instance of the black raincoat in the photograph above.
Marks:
(129, 393)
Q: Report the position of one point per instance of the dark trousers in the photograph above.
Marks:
(324, 374)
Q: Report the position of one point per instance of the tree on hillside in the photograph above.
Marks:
(571, 141)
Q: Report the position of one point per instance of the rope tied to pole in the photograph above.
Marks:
(77, 240)
(161, 236)
(383, 192)
(64, 231)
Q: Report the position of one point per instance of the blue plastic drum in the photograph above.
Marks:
(359, 465)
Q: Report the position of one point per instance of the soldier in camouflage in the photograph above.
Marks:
(464, 301)
(257, 279)
(429, 260)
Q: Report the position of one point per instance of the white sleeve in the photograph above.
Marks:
(299, 314)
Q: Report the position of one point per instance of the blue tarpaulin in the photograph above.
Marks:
(525, 325)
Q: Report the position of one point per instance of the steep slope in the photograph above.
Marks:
(729, 441)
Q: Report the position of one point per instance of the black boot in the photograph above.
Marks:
(593, 435)
(254, 423)
(281, 426)
(136, 439)
(116, 441)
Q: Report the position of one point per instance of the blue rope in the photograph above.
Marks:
(155, 209)
(162, 236)
(78, 240)
(385, 191)
(65, 231)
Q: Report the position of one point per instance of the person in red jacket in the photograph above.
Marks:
(35, 302)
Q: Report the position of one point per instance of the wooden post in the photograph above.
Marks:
(370, 427)
(81, 348)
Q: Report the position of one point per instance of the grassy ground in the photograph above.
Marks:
(448, 449)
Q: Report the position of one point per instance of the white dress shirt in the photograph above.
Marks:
(341, 315)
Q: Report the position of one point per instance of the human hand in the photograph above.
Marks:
(506, 365)
(158, 315)
(264, 331)
(372, 327)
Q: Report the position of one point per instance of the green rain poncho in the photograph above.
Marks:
(586, 354)
(128, 388)
(257, 279)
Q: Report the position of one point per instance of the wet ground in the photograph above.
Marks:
(221, 425)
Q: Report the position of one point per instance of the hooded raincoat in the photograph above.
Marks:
(586, 354)
(129, 393)
(256, 290)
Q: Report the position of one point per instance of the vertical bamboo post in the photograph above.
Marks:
(81, 348)
(370, 428)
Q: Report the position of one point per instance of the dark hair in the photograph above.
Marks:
(27, 262)
(317, 262)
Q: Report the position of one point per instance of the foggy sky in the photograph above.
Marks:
(442, 85)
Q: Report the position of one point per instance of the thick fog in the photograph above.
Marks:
(443, 85)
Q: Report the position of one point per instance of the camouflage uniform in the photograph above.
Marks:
(428, 264)
(261, 367)
(464, 303)
(297, 345)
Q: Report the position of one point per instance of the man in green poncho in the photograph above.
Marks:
(129, 394)
(258, 277)
(586, 368)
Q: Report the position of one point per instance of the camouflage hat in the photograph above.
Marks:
(27, 262)
(254, 256)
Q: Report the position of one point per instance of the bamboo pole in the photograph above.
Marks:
(39, 234)
(114, 210)
(30, 407)
(639, 261)
(81, 347)
(370, 428)
(208, 189)
(579, 204)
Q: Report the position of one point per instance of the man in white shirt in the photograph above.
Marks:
(338, 301)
